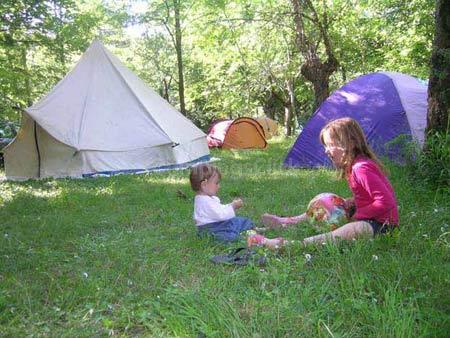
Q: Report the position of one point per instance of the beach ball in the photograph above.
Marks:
(327, 208)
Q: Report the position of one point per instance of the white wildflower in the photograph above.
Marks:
(6, 235)
(308, 257)
(436, 210)
(375, 257)
(85, 275)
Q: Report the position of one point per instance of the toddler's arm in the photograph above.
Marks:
(208, 209)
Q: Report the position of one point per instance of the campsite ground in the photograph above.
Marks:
(120, 256)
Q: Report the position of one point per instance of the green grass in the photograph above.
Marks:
(120, 256)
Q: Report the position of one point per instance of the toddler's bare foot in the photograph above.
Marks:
(255, 240)
(274, 243)
(260, 240)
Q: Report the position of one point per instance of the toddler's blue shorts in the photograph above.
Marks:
(226, 231)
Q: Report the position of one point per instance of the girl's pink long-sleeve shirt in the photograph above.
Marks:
(373, 194)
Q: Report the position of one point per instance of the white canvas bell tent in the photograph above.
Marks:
(101, 119)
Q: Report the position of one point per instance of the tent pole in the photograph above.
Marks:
(37, 149)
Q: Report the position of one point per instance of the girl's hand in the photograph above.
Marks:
(237, 203)
(350, 207)
(349, 203)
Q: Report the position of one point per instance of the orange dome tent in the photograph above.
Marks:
(270, 126)
(242, 133)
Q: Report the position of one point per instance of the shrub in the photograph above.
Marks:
(432, 164)
(8, 129)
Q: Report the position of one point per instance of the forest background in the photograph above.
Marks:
(215, 58)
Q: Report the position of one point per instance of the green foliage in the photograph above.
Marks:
(39, 41)
(8, 129)
(238, 55)
(383, 35)
(432, 164)
(120, 256)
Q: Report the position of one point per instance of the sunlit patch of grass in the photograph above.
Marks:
(168, 180)
(9, 191)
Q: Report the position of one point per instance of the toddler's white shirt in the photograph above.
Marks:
(208, 209)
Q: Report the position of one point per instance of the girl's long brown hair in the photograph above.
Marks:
(347, 133)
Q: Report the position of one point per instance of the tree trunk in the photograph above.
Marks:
(178, 48)
(61, 54)
(439, 83)
(269, 104)
(321, 89)
(287, 120)
(318, 74)
(314, 70)
(290, 113)
(26, 74)
(165, 90)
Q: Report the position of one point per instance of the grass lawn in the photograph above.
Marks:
(120, 256)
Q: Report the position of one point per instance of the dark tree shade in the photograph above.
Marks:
(439, 85)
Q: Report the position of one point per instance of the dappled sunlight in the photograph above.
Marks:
(9, 191)
(171, 180)
(278, 139)
(237, 155)
(352, 98)
(103, 191)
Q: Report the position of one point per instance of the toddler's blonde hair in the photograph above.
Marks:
(202, 172)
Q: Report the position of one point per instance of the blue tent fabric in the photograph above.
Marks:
(386, 105)
(202, 159)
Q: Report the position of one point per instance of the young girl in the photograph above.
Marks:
(210, 215)
(373, 197)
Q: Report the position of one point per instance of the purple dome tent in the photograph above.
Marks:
(385, 104)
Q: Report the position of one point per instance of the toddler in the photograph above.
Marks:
(210, 215)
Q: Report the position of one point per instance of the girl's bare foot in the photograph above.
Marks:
(272, 221)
